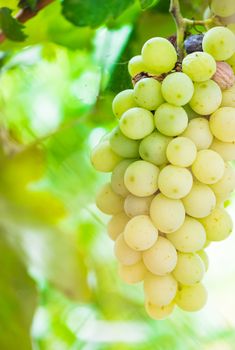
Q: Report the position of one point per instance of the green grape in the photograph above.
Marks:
(219, 42)
(160, 290)
(131, 274)
(134, 205)
(136, 66)
(124, 254)
(175, 182)
(190, 237)
(153, 148)
(223, 8)
(167, 214)
(228, 97)
(199, 66)
(159, 312)
(218, 225)
(191, 298)
(208, 166)
(190, 112)
(177, 89)
(222, 124)
(108, 201)
(170, 120)
(225, 149)
(200, 201)
(181, 151)
(117, 178)
(159, 55)
(141, 178)
(103, 158)
(226, 184)
(147, 93)
(231, 60)
(204, 258)
(123, 101)
(136, 123)
(231, 26)
(117, 224)
(140, 233)
(189, 269)
(161, 258)
(207, 97)
(122, 145)
(198, 131)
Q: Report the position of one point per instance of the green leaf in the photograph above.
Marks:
(18, 300)
(145, 4)
(10, 26)
(28, 3)
(93, 13)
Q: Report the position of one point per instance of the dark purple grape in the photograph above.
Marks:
(193, 43)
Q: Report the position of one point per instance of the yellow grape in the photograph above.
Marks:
(177, 89)
(203, 255)
(199, 66)
(161, 258)
(134, 205)
(117, 178)
(123, 101)
(222, 124)
(228, 97)
(198, 131)
(189, 269)
(160, 290)
(147, 93)
(225, 149)
(181, 151)
(140, 233)
(103, 158)
(117, 224)
(191, 298)
(170, 120)
(159, 312)
(108, 201)
(136, 66)
(226, 184)
(124, 254)
(132, 273)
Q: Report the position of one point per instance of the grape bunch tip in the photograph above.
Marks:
(170, 161)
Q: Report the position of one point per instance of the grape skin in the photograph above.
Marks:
(222, 124)
(136, 123)
(147, 93)
(134, 205)
(136, 66)
(159, 312)
(117, 224)
(160, 290)
(117, 178)
(103, 151)
(198, 131)
(131, 274)
(177, 89)
(108, 201)
(189, 269)
(123, 101)
(122, 145)
(170, 120)
(191, 298)
(181, 151)
(199, 66)
(124, 254)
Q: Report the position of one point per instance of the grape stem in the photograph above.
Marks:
(182, 24)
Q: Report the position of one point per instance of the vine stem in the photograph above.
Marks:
(26, 14)
(182, 24)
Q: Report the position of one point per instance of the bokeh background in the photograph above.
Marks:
(59, 287)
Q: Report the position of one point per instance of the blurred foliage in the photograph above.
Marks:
(56, 261)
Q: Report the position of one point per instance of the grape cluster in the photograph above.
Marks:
(169, 157)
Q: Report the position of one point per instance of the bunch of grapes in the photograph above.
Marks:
(169, 157)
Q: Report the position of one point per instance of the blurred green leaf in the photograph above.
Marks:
(10, 26)
(145, 4)
(93, 12)
(17, 302)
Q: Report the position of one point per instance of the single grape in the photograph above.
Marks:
(219, 42)
(117, 224)
(200, 201)
(223, 8)
(141, 178)
(175, 182)
(161, 258)
(181, 151)
(218, 225)
(117, 178)
(136, 123)
(159, 312)
(225, 149)
(170, 120)
(123, 101)
(199, 66)
(103, 158)
(222, 124)
(131, 274)
(193, 43)
(147, 93)
(153, 148)
(207, 97)
(226, 184)
(167, 214)
(189, 269)
(136, 66)
(160, 290)
(228, 97)
(177, 89)
(191, 298)
(190, 237)
(122, 145)
(159, 55)
(134, 205)
(208, 166)
(124, 254)
(108, 201)
(198, 131)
